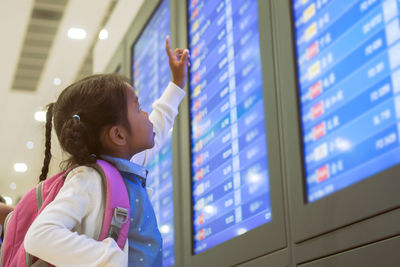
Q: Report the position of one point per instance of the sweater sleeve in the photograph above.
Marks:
(163, 115)
(54, 237)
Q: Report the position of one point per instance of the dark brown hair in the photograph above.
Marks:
(98, 101)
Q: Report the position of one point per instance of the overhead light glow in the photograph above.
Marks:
(20, 167)
(77, 33)
(103, 34)
(241, 231)
(13, 186)
(165, 229)
(56, 81)
(29, 145)
(8, 200)
(254, 178)
(40, 116)
(210, 209)
(343, 144)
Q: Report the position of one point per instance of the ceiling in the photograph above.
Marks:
(35, 49)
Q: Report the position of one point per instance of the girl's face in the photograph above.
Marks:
(141, 129)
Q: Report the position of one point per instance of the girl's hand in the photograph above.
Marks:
(178, 62)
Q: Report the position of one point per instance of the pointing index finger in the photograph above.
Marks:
(168, 48)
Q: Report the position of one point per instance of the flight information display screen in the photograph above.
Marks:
(348, 57)
(230, 178)
(150, 77)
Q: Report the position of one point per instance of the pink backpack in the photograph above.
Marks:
(115, 221)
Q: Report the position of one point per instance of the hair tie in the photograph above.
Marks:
(77, 116)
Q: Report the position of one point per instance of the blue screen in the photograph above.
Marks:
(150, 76)
(348, 57)
(230, 178)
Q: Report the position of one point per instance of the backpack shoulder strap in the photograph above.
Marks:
(39, 196)
(117, 210)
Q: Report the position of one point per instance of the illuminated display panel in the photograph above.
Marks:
(348, 57)
(230, 178)
(150, 77)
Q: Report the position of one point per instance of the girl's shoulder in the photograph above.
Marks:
(84, 177)
(83, 170)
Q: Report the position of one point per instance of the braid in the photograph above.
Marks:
(75, 140)
(47, 152)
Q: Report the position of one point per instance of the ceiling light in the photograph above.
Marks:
(13, 186)
(77, 33)
(29, 145)
(40, 116)
(103, 34)
(56, 81)
(20, 167)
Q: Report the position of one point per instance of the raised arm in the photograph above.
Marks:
(165, 108)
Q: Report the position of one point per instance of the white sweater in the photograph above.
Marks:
(63, 234)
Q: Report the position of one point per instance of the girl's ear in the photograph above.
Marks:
(116, 135)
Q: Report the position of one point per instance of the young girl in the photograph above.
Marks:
(100, 117)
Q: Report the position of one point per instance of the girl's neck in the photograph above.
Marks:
(117, 154)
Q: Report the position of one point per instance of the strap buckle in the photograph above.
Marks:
(120, 217)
